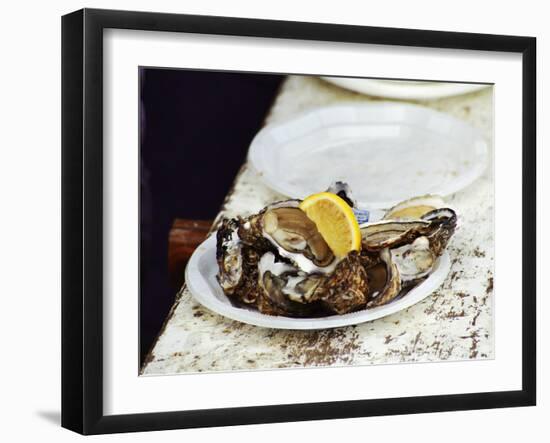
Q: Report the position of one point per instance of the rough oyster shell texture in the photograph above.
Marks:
(277, 262)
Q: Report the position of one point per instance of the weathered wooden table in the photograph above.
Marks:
(454, 323)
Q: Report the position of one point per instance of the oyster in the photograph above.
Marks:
(283, 289)
(248, 292)
(414, 261)
(277, 261)
(392, 234)
(414, 208)
(285, 229)
(443, 221)
(237, 264)
(298, 286)
(384, 280)
(408, 245)
(292, 290)
(342, 190)
(416, 232)
(229, 256)
(292, 230)
(346, 290)
(438, 225)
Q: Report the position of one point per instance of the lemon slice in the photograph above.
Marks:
(335, 222)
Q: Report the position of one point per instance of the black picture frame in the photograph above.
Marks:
(82, 220)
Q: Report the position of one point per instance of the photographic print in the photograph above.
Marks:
(295, 221)
(254, 204)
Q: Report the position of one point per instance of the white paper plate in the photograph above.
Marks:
(200, 277)
(387, 152)
(405, 90)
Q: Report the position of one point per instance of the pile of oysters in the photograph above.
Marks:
(277, 262)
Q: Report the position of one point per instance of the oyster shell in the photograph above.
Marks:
(384, 281)
(414, 208)
(284, 289)
(414, 261)
(392, 234)
(346, 290)
(414, 244)
(444, 222)
(295, 293)
(247, 292)
(438, 225)
(285, 229)
(229, 256)
(342, 190)
(237, 264)
(290, 229)
(298, 286)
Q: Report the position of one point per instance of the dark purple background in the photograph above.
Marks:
(196, 127)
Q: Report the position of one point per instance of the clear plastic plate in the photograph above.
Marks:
(387, 152)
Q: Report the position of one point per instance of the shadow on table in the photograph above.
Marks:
(54, 417)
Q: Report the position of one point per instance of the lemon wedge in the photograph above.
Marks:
(335, 222)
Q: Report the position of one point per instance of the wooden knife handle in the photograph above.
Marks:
(184, 238)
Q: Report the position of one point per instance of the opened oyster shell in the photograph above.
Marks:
(414, 244)
(385, 280)
(277, 261)
(414, 208)
(285, 229)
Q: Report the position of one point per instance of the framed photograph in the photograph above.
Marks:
(269, 221)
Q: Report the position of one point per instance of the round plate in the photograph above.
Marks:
(200, 277)
(405, 90)
(387, 152)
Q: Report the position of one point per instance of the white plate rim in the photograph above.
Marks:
(199, 287)
(400, 89)
(255, 161)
